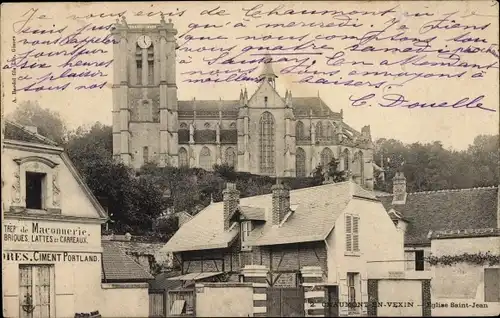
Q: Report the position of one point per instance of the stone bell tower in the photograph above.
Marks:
(145, 94)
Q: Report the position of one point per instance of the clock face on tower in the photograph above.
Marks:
(144, 41)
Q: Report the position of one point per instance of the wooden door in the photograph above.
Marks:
(285, 302)
(332, 310)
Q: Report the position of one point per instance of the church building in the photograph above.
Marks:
(262, 133)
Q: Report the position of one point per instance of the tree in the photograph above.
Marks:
(330, 172)
(85, 146)
(430, 166)
(48, 123)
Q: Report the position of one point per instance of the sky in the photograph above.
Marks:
(24, 24)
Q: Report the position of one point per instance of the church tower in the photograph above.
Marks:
(145, 94)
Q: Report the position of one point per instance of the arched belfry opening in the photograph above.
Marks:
(267, 73)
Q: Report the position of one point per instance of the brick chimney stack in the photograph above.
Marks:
(231, 197)
(399, 188)
(281, 202)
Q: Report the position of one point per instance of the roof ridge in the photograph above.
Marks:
(453, 190)
(36, 135)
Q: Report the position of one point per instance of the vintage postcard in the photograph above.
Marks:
(250, 159)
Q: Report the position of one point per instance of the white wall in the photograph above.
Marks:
(462, 283)
(224, 300)
(378, 241)
(124, 300)
(400, 298)
(76, 282)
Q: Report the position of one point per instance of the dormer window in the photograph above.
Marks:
(36, 185)
(35, 189)
(246, 229)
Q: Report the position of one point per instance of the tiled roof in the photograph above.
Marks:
(317, 209)
(118, 266)
(465, 233)
(145, 249)
(15, 131)
(445, 210)
(204, 231)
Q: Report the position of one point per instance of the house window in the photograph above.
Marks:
(352, 233)
(419, 260)
(246, 228)
(35, 188)
(492, 284)
(267, 155)
(352, 282)
(36, 292)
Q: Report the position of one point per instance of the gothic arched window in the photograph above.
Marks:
(230, 157)
(205, 159)
(329, 131)
(145, 111)
(326, 156)
(359, 166)
(183, 158)
(346, 157)
(267, 156)
(151, 63)
(300, 162)
(319, 130)
(138, 64)
(299, 131)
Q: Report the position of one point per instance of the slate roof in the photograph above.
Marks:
(118, 266)
(253, 213)
(317, 209)
(144, 249)
(163, 282)
(302, 106)
(15, 131)
(445, 210)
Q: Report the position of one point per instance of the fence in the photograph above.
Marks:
(181, 303)
(157, 303)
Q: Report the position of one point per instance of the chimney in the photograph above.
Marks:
(32, 129)
(399, 188)
(231, 197)
(281, 202)
(183, 217)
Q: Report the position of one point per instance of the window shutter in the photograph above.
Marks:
(410, 260)
(355, 233)
(348, 233)
(492, 284)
